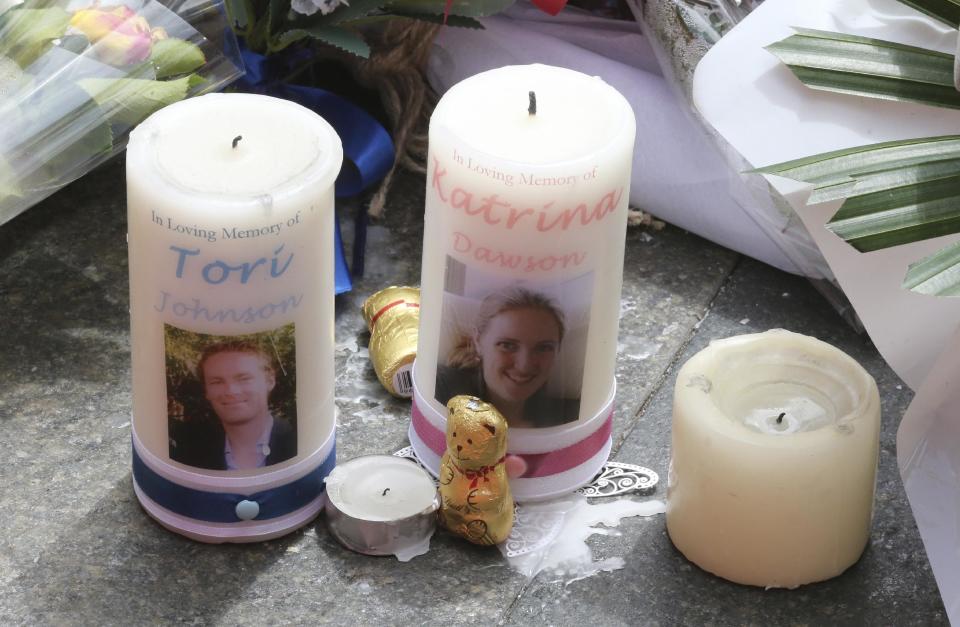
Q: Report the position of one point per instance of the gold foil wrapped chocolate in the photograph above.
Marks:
(475, 498)
(393, 317)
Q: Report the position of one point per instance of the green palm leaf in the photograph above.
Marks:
(895, 193)
(947, 11)
(936, 275)
(869, 67)
(841, 166)
(902, 214)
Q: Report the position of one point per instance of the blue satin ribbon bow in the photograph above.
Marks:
(367, 147)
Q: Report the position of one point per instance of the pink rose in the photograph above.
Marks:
(119, 36)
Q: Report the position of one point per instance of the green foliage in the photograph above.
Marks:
(947, 11)
(357, 9)
(72, 159)
(459, 21)
(464, 8)
(938, 274)
(331, 35)
(185, 395)
(240, 15)
(269, 26)
(28, 32)
(8, 182)
(901, 207)
(130, 100)
(63, 124)
(869, 67)
(172, 57)
(894, 193)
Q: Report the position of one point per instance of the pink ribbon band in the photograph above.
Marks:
(538, 464)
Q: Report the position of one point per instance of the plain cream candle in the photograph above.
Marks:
(775, 444)
(230, 205)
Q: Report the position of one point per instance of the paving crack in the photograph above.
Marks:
(677, 355)
(648, 399)
(516, 601)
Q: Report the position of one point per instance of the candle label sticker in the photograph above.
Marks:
(518, 345)
(231, 400)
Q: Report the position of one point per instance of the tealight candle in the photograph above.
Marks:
(382, 505)
(231, 231)
(526, 207)
(775, 444)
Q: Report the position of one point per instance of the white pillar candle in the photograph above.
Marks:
(382, 505)
(230, 217)
(537, 200)
(775, 444)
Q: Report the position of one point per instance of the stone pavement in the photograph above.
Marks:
(77, 549)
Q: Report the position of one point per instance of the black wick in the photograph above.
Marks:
(385, 490)
(236, 140)
(532, 109)
(780, 417)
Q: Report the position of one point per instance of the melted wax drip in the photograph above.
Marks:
(568, 556)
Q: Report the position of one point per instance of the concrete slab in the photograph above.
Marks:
(77, 549)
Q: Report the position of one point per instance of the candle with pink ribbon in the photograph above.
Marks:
(526, 207)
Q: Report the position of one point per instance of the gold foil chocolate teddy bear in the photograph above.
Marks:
(476, 502)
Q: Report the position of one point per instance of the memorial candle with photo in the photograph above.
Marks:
(526, 207)
(230, 212)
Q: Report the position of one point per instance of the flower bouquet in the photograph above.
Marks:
(270, 27)
(75, 79)
(682, 31)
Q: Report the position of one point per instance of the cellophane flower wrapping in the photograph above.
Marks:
(77, 76)
(681, 32)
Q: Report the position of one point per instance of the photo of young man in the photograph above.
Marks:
(237, 379)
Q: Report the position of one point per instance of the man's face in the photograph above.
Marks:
(517, 350)
(237, 384)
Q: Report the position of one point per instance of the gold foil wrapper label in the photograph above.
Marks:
(393, 317)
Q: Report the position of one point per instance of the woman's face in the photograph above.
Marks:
(517, 350)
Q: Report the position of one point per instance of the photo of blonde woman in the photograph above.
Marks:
(508, 356)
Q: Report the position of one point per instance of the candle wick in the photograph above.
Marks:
(532, 109)
(385, 490)
(780, 417)
(236, 140)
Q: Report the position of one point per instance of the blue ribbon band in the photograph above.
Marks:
(221, 507)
